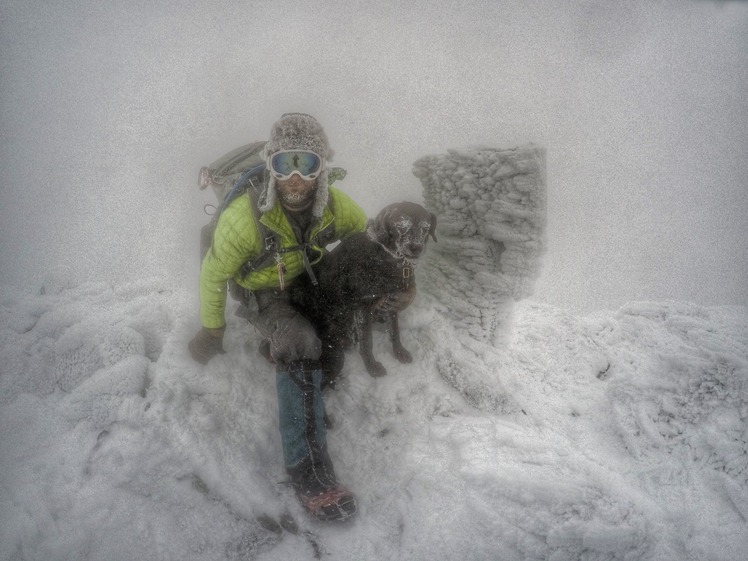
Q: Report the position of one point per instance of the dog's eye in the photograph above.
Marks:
(403, 226)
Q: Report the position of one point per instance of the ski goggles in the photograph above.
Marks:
(285, 163)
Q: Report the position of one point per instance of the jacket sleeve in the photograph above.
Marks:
(235, 241)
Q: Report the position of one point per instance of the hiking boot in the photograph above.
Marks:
(336, 503)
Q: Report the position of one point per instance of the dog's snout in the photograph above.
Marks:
(413, 248)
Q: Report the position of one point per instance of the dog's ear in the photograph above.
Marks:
(388, 234)
(377, 229)
(432, 228)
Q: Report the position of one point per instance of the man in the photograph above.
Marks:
(294, 218)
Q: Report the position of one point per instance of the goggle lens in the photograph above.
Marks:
(284, 164)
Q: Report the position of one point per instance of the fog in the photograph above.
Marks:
(108, 110)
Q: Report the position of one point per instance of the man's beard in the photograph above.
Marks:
(298, 201)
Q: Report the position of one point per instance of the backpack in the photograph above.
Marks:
(224, 174)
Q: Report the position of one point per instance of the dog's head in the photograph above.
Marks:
(403, 229)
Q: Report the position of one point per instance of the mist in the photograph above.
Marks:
(107, 112)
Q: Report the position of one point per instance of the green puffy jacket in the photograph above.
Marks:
(236, 241)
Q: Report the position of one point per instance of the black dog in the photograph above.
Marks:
(367, 278)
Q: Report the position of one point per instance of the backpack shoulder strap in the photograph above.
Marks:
(269, 240)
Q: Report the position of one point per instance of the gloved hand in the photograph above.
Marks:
(207, 344)
(396, 301)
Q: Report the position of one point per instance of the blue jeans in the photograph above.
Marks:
(302, 425)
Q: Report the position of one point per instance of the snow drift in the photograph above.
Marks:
(629, 442)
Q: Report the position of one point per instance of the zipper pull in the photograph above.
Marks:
(281, 267)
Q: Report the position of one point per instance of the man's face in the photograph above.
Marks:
(296, 193)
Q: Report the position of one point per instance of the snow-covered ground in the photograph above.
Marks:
(618, 435)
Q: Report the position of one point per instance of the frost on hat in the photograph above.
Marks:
(298, 131)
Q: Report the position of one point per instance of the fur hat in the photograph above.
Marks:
(298, 131)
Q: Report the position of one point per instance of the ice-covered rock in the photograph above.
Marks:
(491, 207)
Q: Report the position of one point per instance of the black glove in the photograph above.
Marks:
(207, 344)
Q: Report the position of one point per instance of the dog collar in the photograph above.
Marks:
(408, 273)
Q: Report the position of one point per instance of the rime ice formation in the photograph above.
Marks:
(491, 208)
(114, 444)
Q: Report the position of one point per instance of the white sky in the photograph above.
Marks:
(107, 111)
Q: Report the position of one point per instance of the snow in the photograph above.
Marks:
(616, 435)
